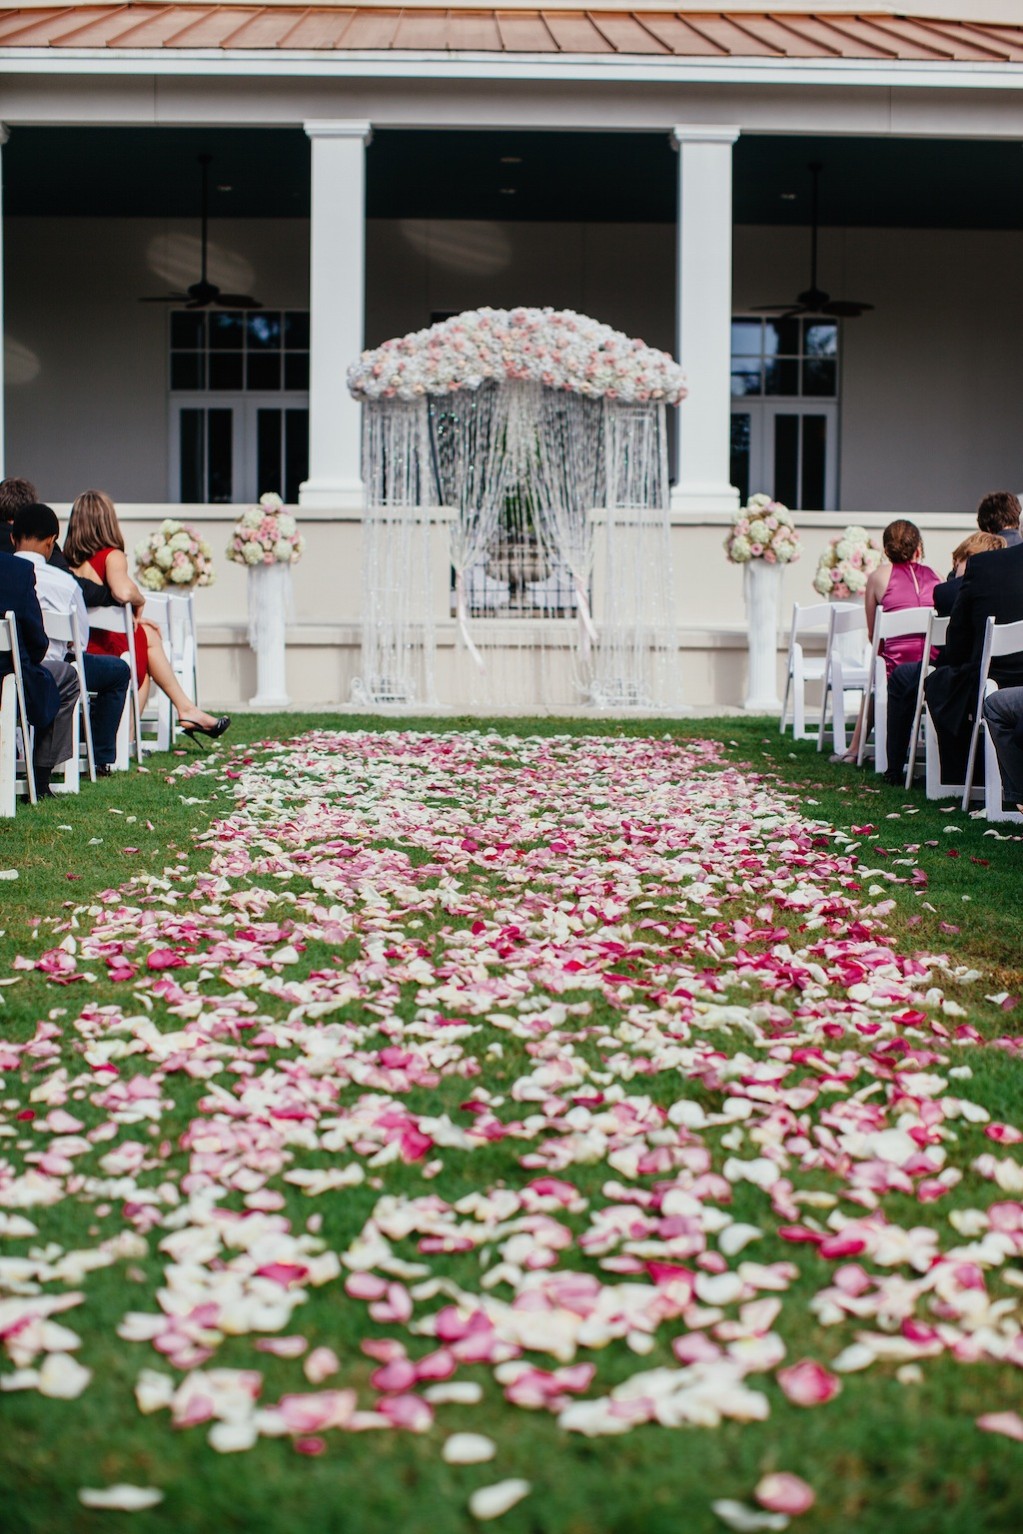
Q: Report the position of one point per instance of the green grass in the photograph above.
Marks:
(885, 1457)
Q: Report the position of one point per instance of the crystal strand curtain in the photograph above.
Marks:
(397, 625)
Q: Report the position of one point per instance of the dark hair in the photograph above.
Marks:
(14, 494)
(997, 510)
(36, 522)
(901, 541)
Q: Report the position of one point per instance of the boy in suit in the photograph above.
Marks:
(51, 687)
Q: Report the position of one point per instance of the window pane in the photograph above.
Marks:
(820, 339)
(746, 337)
(190, 454)
(263, 371)
(738, 460)
(296, 370)
(296, 330)
(814, 450)
(226, 329)
(781, 377)
(264, 330)
(268, 451)
(219, 478)
(745, 376)
(819, 377)
(188, 330)
(296, 452)
(226, 370)
(786, 461)
(781, 338)
(188, 370)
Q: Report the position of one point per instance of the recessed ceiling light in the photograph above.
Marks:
(511, 159)
(508, 191)
(788, 196)
(225, 188)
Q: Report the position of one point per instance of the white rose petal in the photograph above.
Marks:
(493, 1501)
(123, 1499)
(468, 1449)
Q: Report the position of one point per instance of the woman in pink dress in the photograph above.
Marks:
(905, 581)
(901, 580)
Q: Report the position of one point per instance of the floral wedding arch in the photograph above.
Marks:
(544, 409)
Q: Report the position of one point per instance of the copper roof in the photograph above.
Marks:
(352, 28)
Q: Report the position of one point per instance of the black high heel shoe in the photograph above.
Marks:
(214, 731)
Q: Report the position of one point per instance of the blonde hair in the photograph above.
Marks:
(977, 543)
(92, 526)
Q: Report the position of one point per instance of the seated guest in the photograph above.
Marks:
(35, 530)
(904, 680)
(51, 687)
(999, 513)
(1003, 711)
(95, 549)
(17, 493)
(902, 580)
(992, 587)
(944, 595)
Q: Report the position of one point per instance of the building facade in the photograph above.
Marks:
(372, 169)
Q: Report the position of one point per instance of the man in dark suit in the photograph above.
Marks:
(1003, 711)
(999, 512)
(51, 689)
(992, 588)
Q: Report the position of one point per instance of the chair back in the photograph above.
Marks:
(119, 620)
(57, 626)
(847, 619)
(1006, 638)
(895, 625)
(9, 646)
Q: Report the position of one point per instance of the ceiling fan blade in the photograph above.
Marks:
(237, 301)
(846, 308)
(199, 303)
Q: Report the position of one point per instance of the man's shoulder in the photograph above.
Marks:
(996, 563)
(16, 574)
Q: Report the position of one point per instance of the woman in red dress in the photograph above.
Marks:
(94, 548)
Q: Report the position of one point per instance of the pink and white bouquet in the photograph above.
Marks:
(554, 347)
(763, 529)
(843, 568)
(266, 535)
(175, 557)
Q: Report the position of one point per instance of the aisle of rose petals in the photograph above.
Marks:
(611, 1043)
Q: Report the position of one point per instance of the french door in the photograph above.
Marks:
(235, 448)
(787, 449)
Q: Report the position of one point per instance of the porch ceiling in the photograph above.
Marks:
(704, 34)
(515, 176)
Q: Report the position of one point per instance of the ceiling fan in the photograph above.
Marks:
(814, 300)
(199, 295)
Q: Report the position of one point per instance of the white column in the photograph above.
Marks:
(337, 281)
(4, 136)
(704, 315)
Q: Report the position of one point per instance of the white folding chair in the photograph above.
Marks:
(185, 642)
(896, 625)
(999, 639)
(841, 675)
(801, 668)
(119, 620)
(63, 627)
(937, 629)
(158, 715)
(13, 715)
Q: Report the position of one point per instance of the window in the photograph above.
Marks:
(785, 410)
(239, 350)
(239, 404)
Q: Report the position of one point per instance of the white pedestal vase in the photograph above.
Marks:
(762, 588)
(269, 605)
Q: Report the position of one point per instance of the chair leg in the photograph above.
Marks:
(971, 765)
(8, 748)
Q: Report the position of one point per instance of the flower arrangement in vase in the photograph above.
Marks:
(266, 535)
(843, 568)
(174, 558)
(763, 529)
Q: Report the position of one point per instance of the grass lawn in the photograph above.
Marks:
(376, 871)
